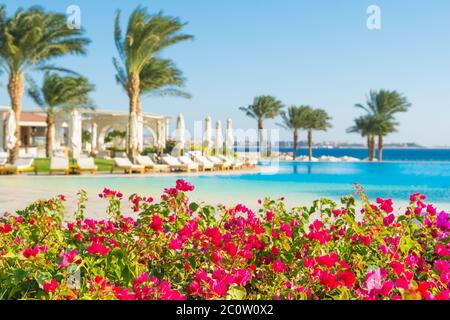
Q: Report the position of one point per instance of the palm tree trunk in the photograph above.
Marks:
(50, 135)
(295, 143)
(310, 144)
(260, 136)
(139, 106)
(133, 94)
(369, 148)
(16, 89)
(372, 148)
(380, 147)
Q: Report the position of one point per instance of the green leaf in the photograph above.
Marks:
(193, 206)
(42, 277)
(236, 293)
(19, 274)
(345, 295)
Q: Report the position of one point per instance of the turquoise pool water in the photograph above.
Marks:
(300, 183)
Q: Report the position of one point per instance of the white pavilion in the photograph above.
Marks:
(152, 130)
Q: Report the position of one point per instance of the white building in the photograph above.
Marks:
(152, 129)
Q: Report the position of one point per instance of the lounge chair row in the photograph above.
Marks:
(186, 163)
(57, 164)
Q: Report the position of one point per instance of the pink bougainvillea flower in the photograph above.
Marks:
(441, 250)
(386, 288)
(328, 260)
(218, 288)
(175, 244)
(123, 294)
(279, 267)
(442, 265)
(443, 295)
(397, 267)
(445, 277)
(241, 277)
(388, 220)
(347, 278)
(374, 280)
(98, 248)
(328, 279)
(6, 229)
(67, 258)
(443, 221)
(184, 186)
(308, 262)
(50, 286)
(156, 223)
(216, 257)
(402, 282)
(385, 205)
(28, 252)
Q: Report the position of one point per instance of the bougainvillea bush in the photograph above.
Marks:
(177, 249)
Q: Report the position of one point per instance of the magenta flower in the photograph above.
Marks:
(67, 258)
(50, 286)
(98, 248)
(279, 267)
(388, 220)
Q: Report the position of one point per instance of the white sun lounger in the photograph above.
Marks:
(21, 165)
(188, 161)
(58, 164)
(174, 164)
(126, 165)
(204, 163)
(148, 163)
(86, 165)
(235, 164)
(219, 163)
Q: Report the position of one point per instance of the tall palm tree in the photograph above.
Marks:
(145, 37)
(263, 107)
(316, 119)
(366, 126)
(58, 93)
(294, 119)
(385, 104)
(28, 40)
(159, 77)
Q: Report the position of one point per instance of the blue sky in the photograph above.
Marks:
(316, 52)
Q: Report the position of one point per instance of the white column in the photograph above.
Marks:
(140, 132)
(2, 129)
(167, 129)
(94, 137)
(75, 133)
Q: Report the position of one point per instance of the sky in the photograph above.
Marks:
(314, 52)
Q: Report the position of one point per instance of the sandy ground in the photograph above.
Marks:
(16, 194)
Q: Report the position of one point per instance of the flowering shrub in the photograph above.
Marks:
(177, 249)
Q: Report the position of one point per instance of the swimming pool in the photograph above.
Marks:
(299, 183)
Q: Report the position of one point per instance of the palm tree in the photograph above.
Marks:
(58, 93)
(384, 104)
(294, 120)
(316, 119)
(366, 126)
(28, 40)
(263, 107)
(145, 37)
(159, 77)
